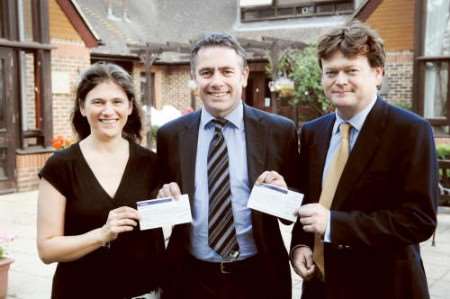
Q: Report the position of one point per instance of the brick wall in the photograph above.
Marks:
(399, 74)
(174, 86)
(28, 167)
(29, 107)
(394, 21)
(69, 58)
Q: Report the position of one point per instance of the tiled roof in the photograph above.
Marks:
(161, 21)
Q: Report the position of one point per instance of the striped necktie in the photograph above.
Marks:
(221, 229)
(329, 188)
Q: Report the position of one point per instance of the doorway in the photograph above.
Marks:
(7, 121)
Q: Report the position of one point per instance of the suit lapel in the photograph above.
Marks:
(366, 146)
(187, 139)
(256, 136)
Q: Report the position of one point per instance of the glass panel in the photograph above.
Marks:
(3, 162)
(258, 14)
(325, 8)
(306, 10)
(2, 93)
(436, 82)
(30, 96)
(344, 7)
(25, 20)
(144, 101)
(248, 3)
(286, 11)
(437, 27)
(291, 2)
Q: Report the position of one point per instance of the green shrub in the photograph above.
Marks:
(303, 68)
(154, 132)
(443, 151)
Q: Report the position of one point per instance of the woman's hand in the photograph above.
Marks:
(119, 220)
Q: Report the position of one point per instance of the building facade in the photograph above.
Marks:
(46, 44)
(41, 54)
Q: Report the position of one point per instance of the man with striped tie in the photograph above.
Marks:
(216, 155)
(369, 176)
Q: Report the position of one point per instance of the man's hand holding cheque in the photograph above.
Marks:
(170, 208)
(314, 218)
(271, 196)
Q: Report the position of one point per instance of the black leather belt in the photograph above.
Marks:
(224, 267)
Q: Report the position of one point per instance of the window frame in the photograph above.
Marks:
(41, 49)
(297, 10)
(420, 61)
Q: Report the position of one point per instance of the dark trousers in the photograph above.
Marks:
(314, 289)
(203, 280)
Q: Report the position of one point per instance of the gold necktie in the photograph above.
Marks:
(330, 184)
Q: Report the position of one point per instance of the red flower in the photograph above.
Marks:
(59, 142)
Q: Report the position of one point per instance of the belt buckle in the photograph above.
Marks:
(233, 255)
(223, 268)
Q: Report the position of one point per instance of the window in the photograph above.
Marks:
(259, 10)
(150, 101)
(250, 3)
(25, 14)
(432, 62)
(25, 32)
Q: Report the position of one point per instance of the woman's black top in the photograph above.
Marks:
(132, 265)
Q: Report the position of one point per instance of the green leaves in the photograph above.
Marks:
(303, 68)
(443, 151)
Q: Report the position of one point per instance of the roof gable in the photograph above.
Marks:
(79, 23)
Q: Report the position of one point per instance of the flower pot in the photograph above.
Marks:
(4, 268)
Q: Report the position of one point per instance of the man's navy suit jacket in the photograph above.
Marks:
(272, 144)
(384, 205)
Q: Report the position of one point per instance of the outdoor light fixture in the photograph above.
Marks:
(283, 86)
(192, 85)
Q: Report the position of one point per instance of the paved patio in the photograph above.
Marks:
(31, 279)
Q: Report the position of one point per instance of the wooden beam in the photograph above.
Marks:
(25, 45)
(45, 87)
(418, 100)
(433, 58)
(12, 21)
(285, 43)
(366, 10)
(251, 43)
(159, 48)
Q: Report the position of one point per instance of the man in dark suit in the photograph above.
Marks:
(251, 262)
(368, 173)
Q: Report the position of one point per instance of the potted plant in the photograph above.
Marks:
(5, 262)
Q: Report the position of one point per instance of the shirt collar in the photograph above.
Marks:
(357, 121)
(235, 117)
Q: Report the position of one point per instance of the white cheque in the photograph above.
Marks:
(275, 201)
(164, 211)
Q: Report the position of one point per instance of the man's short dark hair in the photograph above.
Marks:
(352, 40)
(217, 39)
